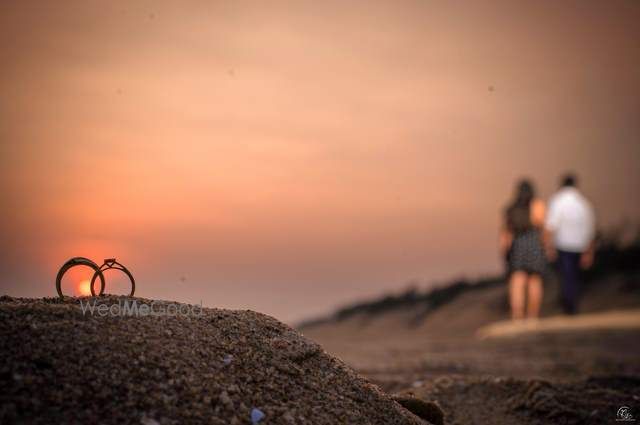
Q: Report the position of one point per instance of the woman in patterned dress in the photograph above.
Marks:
(521, 243)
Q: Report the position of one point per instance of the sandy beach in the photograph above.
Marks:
(480, 367)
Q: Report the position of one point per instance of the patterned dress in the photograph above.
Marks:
(526, 253)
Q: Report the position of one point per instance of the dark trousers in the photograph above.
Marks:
(569, 264)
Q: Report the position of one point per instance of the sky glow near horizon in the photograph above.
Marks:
(292, 157)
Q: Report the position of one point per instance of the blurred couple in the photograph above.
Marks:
(533, 235)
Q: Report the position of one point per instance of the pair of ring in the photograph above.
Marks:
(109, 263)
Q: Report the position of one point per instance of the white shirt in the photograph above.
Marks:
(571, 219)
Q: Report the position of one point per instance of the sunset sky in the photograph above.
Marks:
(290, 157)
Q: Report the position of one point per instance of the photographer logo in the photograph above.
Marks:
(624, 414)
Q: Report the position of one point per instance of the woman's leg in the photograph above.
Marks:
(517, 284)
(534, 296)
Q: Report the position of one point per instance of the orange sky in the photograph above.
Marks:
(292, 156)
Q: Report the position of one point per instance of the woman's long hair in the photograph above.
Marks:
(518, 212)
(524, 194)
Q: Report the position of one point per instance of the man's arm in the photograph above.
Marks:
(551, 223)
(586, 259)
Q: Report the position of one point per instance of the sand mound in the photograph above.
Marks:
(58, 365)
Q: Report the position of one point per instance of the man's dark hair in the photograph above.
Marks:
(569, 180)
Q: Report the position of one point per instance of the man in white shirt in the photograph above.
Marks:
(570, 233)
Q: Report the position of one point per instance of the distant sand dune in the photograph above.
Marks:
(620, 319)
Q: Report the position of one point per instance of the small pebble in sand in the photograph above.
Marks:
(256, 416)
(148, 421)
(227, 359)
(225, 399)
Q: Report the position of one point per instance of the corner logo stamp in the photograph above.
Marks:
(624, 414)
